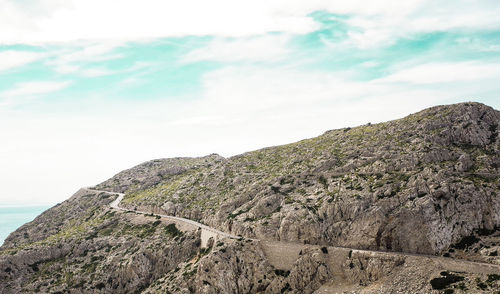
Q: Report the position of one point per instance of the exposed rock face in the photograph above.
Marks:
(94, 250)
(243, 267)
(427, 183)
(419, 184)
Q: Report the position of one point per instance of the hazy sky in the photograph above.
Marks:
(88, 88)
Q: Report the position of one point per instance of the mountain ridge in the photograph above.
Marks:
(468, 138)
(426, 184)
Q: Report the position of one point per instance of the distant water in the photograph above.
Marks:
(12, 217)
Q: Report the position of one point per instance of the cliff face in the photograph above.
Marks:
(419, 184)
(427, 184)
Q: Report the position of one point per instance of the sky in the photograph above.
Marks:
(89, 88)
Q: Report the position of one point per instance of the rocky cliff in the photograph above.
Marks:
(424, 184)
(419, 184)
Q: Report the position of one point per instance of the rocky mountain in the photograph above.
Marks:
(367, 209)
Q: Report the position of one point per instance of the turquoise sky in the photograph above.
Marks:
(81, 100)
(63, 77)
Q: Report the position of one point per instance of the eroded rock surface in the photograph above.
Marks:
(424, 184)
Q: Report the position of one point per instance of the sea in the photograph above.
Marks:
(12, 217)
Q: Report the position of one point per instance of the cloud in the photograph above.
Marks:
(266, 48)
(93, 72)
(24, 92)
(478, 44)
(383, 25)
(84, 59)
(96, 72)
(434, 73)
(295, 103)
(251, 100)
(11, 59)
(34, 88)
(240, 108)
(70, 59)
(375, 22)
(133, 20)
(90, 52)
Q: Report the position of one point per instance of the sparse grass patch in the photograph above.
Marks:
(141, 231)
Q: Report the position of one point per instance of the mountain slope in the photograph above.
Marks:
(419, 184)
(426, 184)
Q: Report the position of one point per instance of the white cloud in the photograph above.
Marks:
(433, 73)
(383, 27)
(370, 64)
(478, 44)
(11, 59)
(80, 59)
(66, 68)
(378, 21)
(240, 109)
(265, 48)
(96, 72)
(25, 92)
(90, 52)
(146, 19)
(280, 105)
(34, 88)
(275, 106)
(93, 72)
(71, 58)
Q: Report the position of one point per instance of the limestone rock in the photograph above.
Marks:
(424, 184)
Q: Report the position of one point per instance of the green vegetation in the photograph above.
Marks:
(234, 215)
(206, 187)
(172, 231)
(141, 231)
(492, 278)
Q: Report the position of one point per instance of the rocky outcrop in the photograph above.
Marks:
(419, 184)
(425, 184)
(100, 251)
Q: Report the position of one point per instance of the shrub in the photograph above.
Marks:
(466, 242)
(444, 281)
(282, 273)
(172, 230)
(492, 278)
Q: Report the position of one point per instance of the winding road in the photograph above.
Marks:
(214, 232)
(284, 254)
